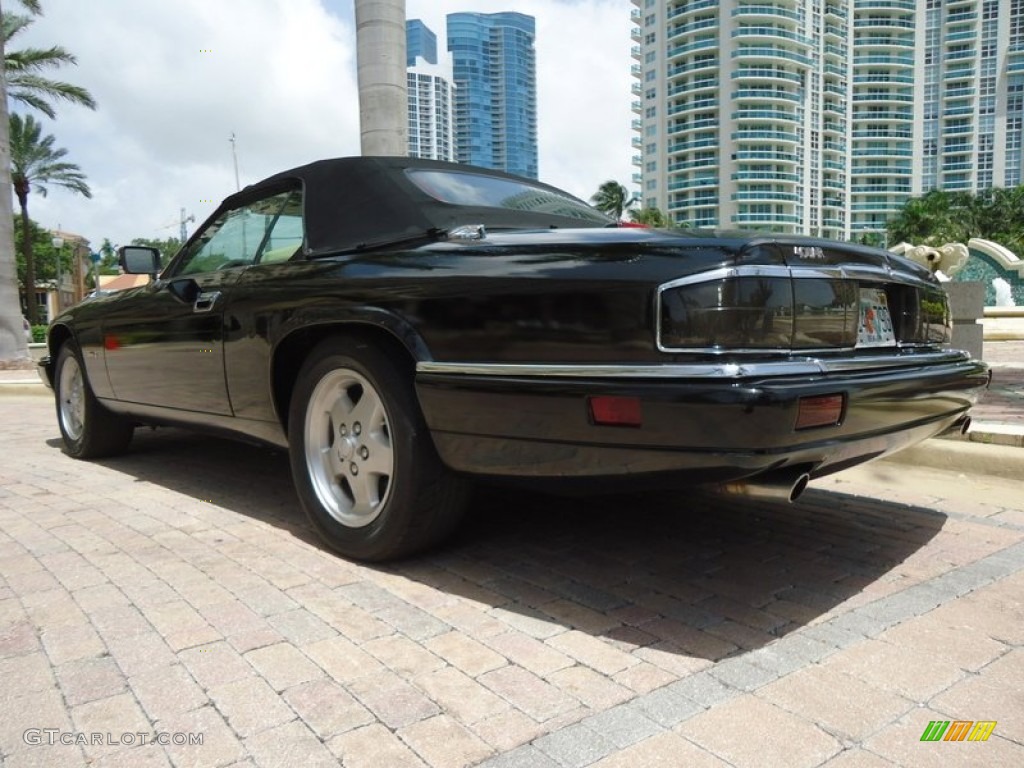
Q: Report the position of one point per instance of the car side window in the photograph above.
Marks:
(242, 236)
(285, 233)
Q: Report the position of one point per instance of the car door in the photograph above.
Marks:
(164, 346)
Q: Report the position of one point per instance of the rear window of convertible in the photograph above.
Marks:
(473, 189)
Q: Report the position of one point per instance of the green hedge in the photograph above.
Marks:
(39, 333)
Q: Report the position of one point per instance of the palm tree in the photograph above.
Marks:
(25, 69)
(13, 348)
(612, 198)
(22, 68)
(651, 217)
(35, 162)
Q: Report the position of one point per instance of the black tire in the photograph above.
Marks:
(375, 490)
(90, 431)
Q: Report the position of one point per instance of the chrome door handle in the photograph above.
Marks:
(205, 301)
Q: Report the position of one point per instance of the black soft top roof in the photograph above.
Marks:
(354, 203)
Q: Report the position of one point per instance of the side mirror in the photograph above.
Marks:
(139, 259)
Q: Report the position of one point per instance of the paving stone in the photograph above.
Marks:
(283, 666)
(524, 757)
(89, 679)
(465, 653)
(527, 692)
(402, 655)
(395, 702)
(342, 659)
(43, 709)
(371, 747)
(444, 743)
(666, 707)
(289, 744)
(167, 691)
(250, 705)
(508, 730)
(300, 627)
(115, 715)
(71, 643)
(220, 745)
(593, 689)
(591, 651)
(528, 652)
(901, 670)
(843, 705)
(215, 664)
(623, 725)
(575, 746)
(665, 750)
(327, 708)
(770, 735)
(26, 673)
(459, 695)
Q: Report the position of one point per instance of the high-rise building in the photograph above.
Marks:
(420, 41)
(823, 116)
(496, 90)
(431, 89)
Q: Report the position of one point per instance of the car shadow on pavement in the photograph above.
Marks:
(691, 573)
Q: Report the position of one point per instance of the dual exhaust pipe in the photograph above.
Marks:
(784, 485)
(787, 485)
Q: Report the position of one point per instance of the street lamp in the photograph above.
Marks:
(58, 243)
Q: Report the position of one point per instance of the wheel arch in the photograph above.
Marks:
(292, 350)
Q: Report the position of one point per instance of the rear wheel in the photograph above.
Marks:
(90, 431)
(363, 462)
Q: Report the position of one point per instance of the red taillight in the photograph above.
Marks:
(819, 411)
(610, 411)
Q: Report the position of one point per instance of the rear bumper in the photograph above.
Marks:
(712, 428)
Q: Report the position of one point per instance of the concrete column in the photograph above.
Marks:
(380, 58)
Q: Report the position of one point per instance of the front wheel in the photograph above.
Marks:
(89, 430)
(362, 459)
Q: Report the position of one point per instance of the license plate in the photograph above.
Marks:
(875, 326)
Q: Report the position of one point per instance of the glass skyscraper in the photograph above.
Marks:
(494, 65)
(431, 92)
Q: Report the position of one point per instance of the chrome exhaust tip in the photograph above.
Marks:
(779, 485)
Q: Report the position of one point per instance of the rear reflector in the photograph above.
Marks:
(820, 411)
(610, 411)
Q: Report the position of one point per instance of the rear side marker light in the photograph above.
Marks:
(610, 411)
(820, 411)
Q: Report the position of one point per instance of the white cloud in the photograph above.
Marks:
(174, 80)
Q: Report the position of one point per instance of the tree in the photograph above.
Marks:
(22, 70)
(167, 247)
(13, 349)
(36, 163)
(612, 198)
(44, 255)
(651, 217)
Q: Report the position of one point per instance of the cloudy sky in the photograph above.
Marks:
(174, 80)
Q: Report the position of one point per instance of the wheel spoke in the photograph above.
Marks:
(368, 412)
(364, 493)
(379, 462)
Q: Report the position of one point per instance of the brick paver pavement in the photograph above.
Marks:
(178, 591)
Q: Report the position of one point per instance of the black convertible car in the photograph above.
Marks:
(403, 326)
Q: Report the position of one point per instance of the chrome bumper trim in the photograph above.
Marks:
(794, 367)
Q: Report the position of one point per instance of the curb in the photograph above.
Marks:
(23, 387)
(964, 457)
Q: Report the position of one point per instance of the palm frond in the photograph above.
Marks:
(19, 83)
(35, 59)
